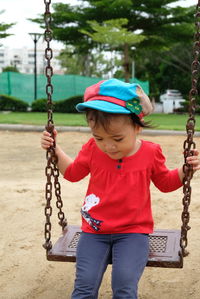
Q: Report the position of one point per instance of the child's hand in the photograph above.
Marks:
(47, 140)
(194, 160)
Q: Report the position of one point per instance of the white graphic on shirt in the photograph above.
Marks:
(91, 201)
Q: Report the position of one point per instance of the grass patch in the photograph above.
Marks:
(38, 118)
(160, 121)
(175, 122)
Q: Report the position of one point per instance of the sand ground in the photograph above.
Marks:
(24, 271)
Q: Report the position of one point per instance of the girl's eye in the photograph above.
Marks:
(118, 140)
(98, 139)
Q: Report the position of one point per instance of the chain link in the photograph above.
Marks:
(51, 170)
(189, 144)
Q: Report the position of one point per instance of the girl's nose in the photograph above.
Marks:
(109, 146)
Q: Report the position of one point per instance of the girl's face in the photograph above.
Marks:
(120, 140)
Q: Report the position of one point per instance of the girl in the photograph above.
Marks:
(116, 214)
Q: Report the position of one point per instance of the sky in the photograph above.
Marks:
(18, 11)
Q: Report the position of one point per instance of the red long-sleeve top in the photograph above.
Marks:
(118, 195)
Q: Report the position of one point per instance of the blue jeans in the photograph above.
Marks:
(128, 254)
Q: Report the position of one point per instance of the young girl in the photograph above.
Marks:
(116, 213)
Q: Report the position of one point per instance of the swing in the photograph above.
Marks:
(167, 247)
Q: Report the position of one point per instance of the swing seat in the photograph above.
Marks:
(164, 248)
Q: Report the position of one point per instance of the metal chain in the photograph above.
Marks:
(189, 144)
(59, 203)
(51, 169)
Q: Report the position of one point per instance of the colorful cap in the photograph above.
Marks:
(115, 96)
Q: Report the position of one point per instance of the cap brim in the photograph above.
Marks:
(102, 106)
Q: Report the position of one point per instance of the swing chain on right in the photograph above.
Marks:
(189, 144)
(51, 169)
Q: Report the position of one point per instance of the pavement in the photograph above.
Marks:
(32, 128)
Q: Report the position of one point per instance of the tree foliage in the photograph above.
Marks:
(113, 34)
(169, 69)
(162, 57)
(155, 19)
(4, 27)
(94, 65)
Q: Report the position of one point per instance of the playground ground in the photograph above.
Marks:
(25, 273)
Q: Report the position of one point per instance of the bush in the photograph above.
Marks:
(185, 107)
(8, 103)
(39, 105)
(68, 105)
(63, 106)
(10, 69)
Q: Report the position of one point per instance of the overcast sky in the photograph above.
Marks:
(17, 11)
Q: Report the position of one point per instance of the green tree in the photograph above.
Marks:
(74, 63)
(156, 20)
(71, 62)
(4, 27)
(166, 69)
(113, 34)
(163, 26)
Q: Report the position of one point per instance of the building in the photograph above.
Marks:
(171, 100)
(23, 59)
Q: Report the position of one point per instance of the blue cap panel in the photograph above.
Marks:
(102, 106)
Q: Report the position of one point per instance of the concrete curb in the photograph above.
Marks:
(32, 128)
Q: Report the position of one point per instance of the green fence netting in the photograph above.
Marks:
(64, 86)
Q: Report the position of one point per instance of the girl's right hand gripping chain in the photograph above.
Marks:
(63, 160)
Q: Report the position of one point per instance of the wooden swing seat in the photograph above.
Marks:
(164, 248)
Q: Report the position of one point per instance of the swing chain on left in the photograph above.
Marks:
(51, 168)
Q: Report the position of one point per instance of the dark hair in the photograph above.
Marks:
(103, 118)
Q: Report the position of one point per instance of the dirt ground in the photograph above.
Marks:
(24, 270)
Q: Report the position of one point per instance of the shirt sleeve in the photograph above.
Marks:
(80, 167)
(164, 179)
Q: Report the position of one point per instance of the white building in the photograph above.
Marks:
(23, 59)
(171, 100)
